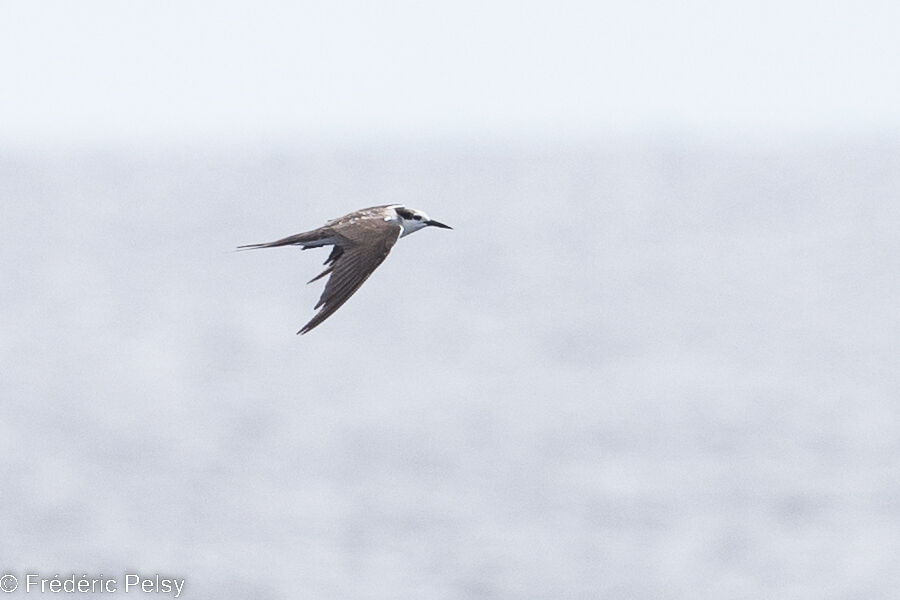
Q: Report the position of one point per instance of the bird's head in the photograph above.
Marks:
(413, 220)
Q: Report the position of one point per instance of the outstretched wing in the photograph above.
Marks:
(353, 259)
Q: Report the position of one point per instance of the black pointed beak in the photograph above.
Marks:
(437, 224)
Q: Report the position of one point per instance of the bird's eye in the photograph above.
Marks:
(405, 213)
(417, 217)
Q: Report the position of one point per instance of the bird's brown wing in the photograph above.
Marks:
(357, 258)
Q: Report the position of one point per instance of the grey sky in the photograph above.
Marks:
(125, 70)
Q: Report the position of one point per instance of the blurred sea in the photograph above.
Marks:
(662, 370)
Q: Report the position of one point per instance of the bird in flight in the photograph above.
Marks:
(361, 240)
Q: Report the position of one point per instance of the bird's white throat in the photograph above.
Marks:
(419, 220)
